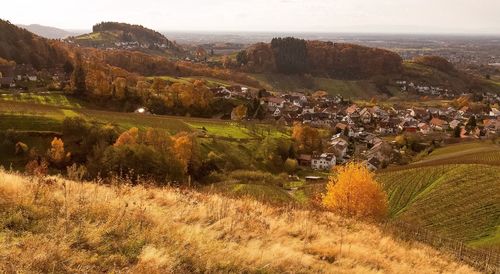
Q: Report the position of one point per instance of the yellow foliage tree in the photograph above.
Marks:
(158, 85)
(187, 95)
(353, 191)
(319, 94)
(307, 139)
(400, 140)
(185, 150)
(56, 153)
(239, 113)
(120, 86)
(291, 165)
(142, 88)
(128, 137)
(158, 139)
(202, 94)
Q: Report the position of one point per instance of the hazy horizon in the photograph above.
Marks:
(336, 16)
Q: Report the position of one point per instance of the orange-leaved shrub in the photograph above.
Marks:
(353, 191)
(57, 154)
(128, 137)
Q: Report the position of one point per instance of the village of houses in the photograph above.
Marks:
(20, 77)
(367, 133)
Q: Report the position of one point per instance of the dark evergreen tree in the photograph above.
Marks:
(68, 67)
(457, 131)
(241, 58)
(471, 124)
(79, 76)
(290, 55)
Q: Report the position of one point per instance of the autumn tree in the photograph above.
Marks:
(353, 191)
(185, 149)
(56, 153)
(195, 95)
(188, 97)
(268, 152)
(319, 94)
(291, 165)
(239, 113)
(203, 94)
(158, 85)
(120, 88)
(142, 88)
(400, 140)
(145, 154)
(128, 137)
(159, 139)
(307, 139)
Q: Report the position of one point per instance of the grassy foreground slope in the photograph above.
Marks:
(63, 226)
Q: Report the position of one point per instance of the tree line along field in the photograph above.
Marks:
(39, 110)
(233, 139)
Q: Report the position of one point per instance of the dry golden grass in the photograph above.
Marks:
(61, 226)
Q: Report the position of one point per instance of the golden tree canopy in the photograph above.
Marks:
(185, 149)
(128, 137)
(307, 139)
(239, 113)
(56, 153)
(353, 191)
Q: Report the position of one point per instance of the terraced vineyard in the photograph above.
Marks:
(464, 153)
(457, 201)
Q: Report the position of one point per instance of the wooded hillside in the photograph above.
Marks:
(297, 56)
(23, 47)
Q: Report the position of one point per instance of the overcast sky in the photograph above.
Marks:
(403, 16)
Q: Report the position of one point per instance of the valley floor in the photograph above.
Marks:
(56, 225)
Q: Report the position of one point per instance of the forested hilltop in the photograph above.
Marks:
(127, 36)
(296, 56)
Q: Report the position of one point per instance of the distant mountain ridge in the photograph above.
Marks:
(48, 32)
(126, 36)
